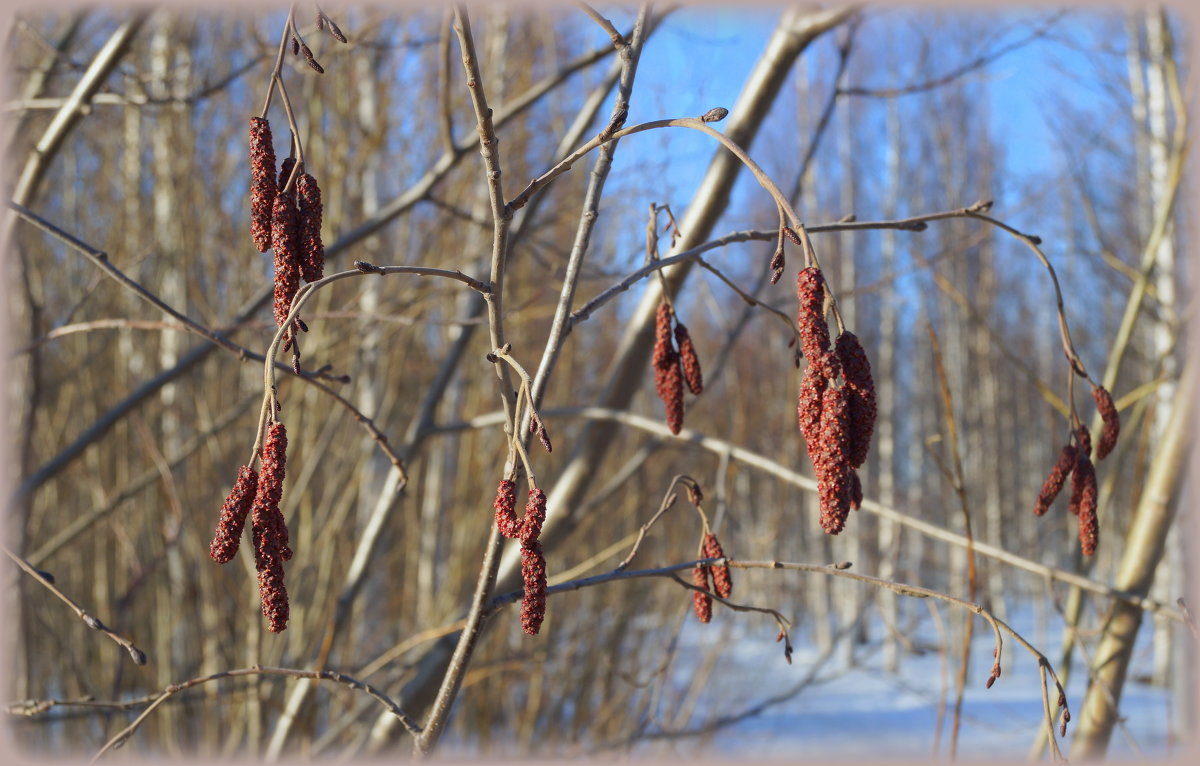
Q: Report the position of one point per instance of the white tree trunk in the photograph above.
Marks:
(1163, 332)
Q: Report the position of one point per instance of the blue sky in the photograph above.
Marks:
(713, 50)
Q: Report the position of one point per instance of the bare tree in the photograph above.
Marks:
(472, 458)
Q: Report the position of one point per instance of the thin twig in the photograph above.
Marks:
(749, 299)
(605, 24)
(417, 192)
(560, 325)
(1032, 243)
(100, 259)
(361, 268)
(667, 501)
(83, 521)
(789, 475)
(903, 589)
(257, 670)
(977, 63)
(277, 68)
(914, 223)
(959, 485)
(424, 743)
(446, 114)
(138, 656)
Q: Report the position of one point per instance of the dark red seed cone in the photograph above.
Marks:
(270, 530)
(833, 467)
(668, 377)
(505, 505)
(1112, 421)
(701, 601)
(689, 360)
(228, 535)
(285, 239)
(535, 516)
(721, 578)
(1054, 482)
(312, 250)
(856, 371)
(262, 182)
(533, 576)
(1089, 524)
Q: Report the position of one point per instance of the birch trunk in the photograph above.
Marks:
(1144, 547)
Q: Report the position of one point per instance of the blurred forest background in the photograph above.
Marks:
(128, 430)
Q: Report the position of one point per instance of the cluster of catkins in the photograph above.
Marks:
(675, 363)
(533, 563)
(1075, 461)
(836, 419)
(257, 495)
(285, 216)
(710, 577)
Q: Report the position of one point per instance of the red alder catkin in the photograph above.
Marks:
(270, 530)
(812, 388)
(814, 332)
(856, 371)
(533, 575)
(690, 362)
(1083, 438)
(668, 378)
(701, 601)
(1083, 452)
(1089, 524)
(832, 466)
(535, 516)
(262, 182)
(856, 493)
(1056, 479)
(1112, 421)
(505, 505)
(312, 250)
(285, 239)
(1079, 480)
(225, 540)
(285, 172)
(721, 579)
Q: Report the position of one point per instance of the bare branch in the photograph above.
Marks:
(138, 656)
(319, 675)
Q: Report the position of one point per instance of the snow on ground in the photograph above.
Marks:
(864, 712)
